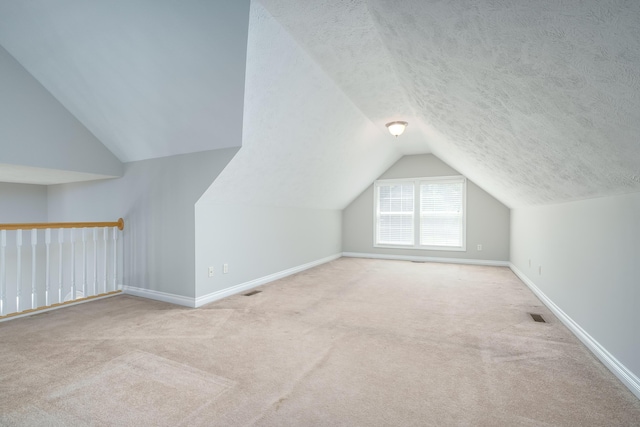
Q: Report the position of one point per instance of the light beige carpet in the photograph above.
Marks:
(351, 343)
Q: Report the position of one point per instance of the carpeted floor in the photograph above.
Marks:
(353, 342)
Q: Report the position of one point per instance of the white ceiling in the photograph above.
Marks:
(149, 78)
(38, 134)
(538, 102)
(343, 40)
(305, 144)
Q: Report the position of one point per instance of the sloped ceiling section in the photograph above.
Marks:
(343, 39)
(305, 144)
(537, 102)
(149, 78)
(40, 141)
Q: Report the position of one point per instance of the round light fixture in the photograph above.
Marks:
(396, 128)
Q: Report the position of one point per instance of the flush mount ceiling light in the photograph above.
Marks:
(396, 128)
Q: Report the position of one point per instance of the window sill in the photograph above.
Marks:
(422, 248)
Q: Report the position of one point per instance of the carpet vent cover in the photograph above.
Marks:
(248, 294)
(537, 318)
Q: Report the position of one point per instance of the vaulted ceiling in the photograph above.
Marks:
(537, 102)
(147, 78)
(304, 143)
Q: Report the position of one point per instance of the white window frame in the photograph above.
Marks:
(416, 214)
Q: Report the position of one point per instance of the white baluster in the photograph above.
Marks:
(95, 261)
(115, 258)
(105, 237)
(19, 265)
(34, 242)
(47, 268)
(3, 271)
(73, 264)
(84, 262)
(60, 242)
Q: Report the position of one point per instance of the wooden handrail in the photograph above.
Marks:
(42, 225)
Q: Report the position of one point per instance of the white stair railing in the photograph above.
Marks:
(80, 254)
(18, 268)
(3, 272)
(34, 242)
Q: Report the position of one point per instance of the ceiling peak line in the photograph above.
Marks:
(389, 58)
(328, 33)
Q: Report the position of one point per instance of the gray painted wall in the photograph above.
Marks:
(487, 218)
(23, 203)
(589, 251)
(270, 210)
(156, 198)
(36, 130)
(257, 241)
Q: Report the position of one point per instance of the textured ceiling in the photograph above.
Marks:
(149, 78)
(537, 102)
(305, 144)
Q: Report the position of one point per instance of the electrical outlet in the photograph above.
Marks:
(479, 246)
(540, 270)
(225, 268)
(210, 271)
(529, 263)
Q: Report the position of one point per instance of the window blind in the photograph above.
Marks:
(441, 213)
(395, 214)
(421, 213)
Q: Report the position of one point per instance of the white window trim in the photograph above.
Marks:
(416, 213)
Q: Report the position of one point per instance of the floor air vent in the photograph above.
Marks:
(537, 318)
(248, 294)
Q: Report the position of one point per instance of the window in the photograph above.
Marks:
(395, 209)
(422, 213)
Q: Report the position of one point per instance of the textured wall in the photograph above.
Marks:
(487, 218)
(536, 102)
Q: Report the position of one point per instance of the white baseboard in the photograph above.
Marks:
(628, 378)
(215, 296)
(427, 259)
(160, 296)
